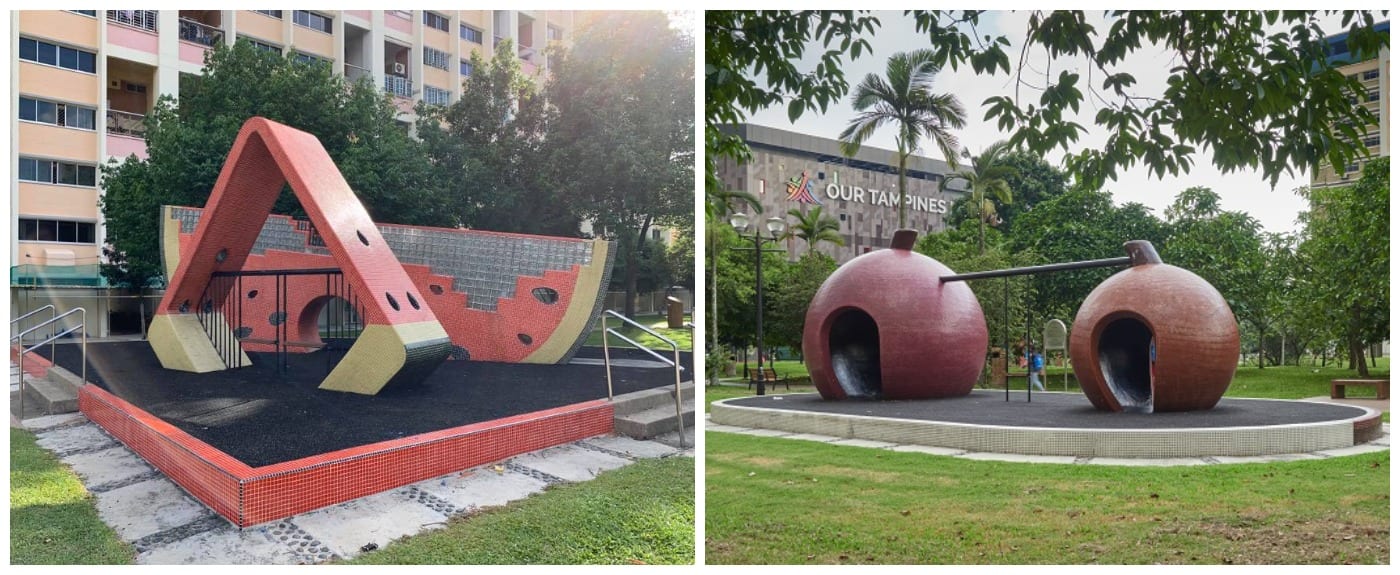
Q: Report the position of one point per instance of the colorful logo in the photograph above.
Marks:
(799, 189)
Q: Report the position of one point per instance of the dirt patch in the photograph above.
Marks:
(1254, 539)
(868, 475)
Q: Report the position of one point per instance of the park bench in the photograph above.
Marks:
(770, 376)
(1382, 386)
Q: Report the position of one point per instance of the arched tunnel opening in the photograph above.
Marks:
(855, 353)
(1125, 358)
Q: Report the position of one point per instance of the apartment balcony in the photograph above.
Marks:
(353, 73)
(200, 33)
(143, 19)
(126, 124)
(399, 86)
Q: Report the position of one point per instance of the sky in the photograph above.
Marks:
(1247, 191)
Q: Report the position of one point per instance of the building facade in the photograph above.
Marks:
(82, 82)
(790, 171)
(1374, 75)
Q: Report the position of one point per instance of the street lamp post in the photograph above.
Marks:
(775, 227)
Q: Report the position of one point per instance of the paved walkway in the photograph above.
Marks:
(1380, 444)
(167, 526)
(1376, 404)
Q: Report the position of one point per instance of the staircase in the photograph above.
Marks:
(652, 412)
(50, 394)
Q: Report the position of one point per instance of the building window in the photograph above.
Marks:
(466, 68)
(53, 172)
(1373, 140)
(264, 46)
(436, 96)
(67, 115)
(655, 234)
(271, 13)
(68, 232)
(470, 34)
(435, 20)
(1373, 95)
(92, 13)
(436, 58)
(1371, 74)
(762, 186)
(55, 55)
(554, 34)
(143, 19)
(312, 20)
(304, 58)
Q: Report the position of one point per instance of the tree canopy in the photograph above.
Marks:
(623, 142)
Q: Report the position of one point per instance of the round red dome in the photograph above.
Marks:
(883, 326)
(1154, 337)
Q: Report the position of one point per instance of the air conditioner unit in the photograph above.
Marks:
(399, 69)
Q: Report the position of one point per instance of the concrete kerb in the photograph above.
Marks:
(1381, 443)
(166, 525)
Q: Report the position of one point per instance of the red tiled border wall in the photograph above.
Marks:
(249, 496)
(34, 364)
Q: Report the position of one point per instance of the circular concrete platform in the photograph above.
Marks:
(1063, 424)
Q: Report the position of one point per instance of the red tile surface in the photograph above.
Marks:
(34, 364)
(249, 496)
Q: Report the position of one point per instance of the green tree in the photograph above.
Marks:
(1345, 251)
(814, 227)
(187, 141)
(718, 206)
(1079, 225)
(1032, 181)
(488, 147)
(789, 294)
(624, 142)
(1233, 93)
(752, 62)
(905, 98)
(1226, 249)
(986, 175)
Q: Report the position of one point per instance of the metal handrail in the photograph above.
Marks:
(52, 316)
(675, 362)
(50, 341)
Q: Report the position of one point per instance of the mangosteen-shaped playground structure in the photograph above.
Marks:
(895, 343)
(298, 363)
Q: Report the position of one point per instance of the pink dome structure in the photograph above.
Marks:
(884, 326)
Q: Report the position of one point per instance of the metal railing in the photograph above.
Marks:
(126, 123)
(675, 362)
(200, 33)
(353, 73)
(52, 338)
(398, 86)
(52, 314)
(143, 19)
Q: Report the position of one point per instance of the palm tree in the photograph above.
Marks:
(985, 174)
(905, 97)
(814, 228)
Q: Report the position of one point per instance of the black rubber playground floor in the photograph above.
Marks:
(261, 417)
(1060, 410)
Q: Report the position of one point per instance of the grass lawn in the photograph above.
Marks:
(52, 517)
(642, 513)
(681, 336)
(784, 501)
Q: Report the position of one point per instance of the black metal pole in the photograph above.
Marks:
(1109, 262)
(1029, 367)
(758, 267)
(1006, 335)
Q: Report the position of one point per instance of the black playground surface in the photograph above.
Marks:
(262, 417)
(1060, 410)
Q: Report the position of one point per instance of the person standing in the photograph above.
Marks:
(1035, 369)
